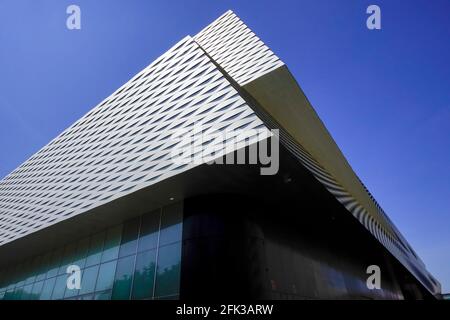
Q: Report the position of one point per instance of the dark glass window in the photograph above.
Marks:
(144, 275)
(70, 292)
(9, 295)
(129, 237)
(60, 287)
(112, 243)
(171, 221)
(118, 263)
(87, 297)
(36, 291)
(168, 272)
(33, 270)
(106, 295)
(48, 289)
(123, 279)
(26, 294)
(95, 249)
(106, 276)
(88, 279)
(148, 238)
(45, 265)
(17, 295)
(69, 254)
(81, 252)
(54, 263)
(19, 274)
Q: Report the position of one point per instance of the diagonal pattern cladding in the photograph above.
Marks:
(237, 50)
(245, 59)
(123, 144)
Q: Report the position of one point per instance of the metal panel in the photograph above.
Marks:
(125, 143)
(233, 46)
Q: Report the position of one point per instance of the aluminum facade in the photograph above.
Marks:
(125, 143)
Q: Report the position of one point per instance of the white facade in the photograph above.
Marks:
(125, 143)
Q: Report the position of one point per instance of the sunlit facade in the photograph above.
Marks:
(139, 259)
(107, 196)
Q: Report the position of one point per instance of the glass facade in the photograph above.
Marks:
(275, 250)
(139, 259)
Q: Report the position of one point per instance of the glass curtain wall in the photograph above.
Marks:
(139, 259)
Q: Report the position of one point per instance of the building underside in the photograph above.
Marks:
(229, 232)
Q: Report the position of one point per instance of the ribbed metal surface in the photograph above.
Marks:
(230, 43)
(245, 58)
(125, 143)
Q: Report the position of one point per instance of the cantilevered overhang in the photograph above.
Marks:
(292, 183)
(118, 156)
(283, 105)
(131, 140)
(275, 96)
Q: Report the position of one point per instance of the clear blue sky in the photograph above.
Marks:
(384, 95)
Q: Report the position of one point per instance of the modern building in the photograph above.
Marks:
(129, 193)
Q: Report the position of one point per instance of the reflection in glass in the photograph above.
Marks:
(42, 270)
(26, 294)
(70, 292)
(111, 269)
(69, 253)
(17, 295)
(123, 279)
(129, 237)
(106, 276)
(95, 249)
(33, 270)
(81, 252)
(87, 297)
(48, 289)
(148, 238)
(144, 275)
(20, 271)
(36, 291)
(55, 262)
(112, 243)
(60, 287)
(168, 272)
(88, 279)
(171, 220)
(106, 295)
(9, 295)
